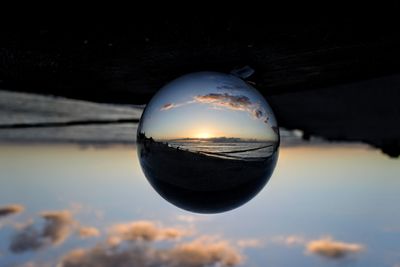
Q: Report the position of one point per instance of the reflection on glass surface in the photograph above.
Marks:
(208, 142)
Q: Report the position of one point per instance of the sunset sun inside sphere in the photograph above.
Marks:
(208, 142)
(203, 135)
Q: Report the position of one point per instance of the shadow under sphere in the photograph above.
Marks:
(208, 142)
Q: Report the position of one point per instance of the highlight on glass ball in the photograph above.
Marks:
(208, 142)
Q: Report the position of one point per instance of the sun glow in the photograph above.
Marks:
(203, 135)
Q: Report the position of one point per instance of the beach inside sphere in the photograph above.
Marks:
(208, 142)
(229, 148)
(211, 112)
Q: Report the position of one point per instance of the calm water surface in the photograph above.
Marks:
(240, 150)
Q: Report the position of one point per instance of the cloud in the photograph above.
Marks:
(326, 247)
(85, 232)
(137, 245)
(329, 248)
(191, 218)
(56, 228)
(234, 102)
(142, 243)
(144, 231)
(35, 264)
(250, 243)
(168, 106)
(294, 240)
(226, 101)
(290, 240)
(239, 102)
(204, 252)
(57, 225)
(201, 252)
(11, 209)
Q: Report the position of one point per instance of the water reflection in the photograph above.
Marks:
(208, 142)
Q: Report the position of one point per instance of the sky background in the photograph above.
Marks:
(321, 198)
(208, 104)
(326, 204)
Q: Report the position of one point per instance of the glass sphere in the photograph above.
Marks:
(208, 142)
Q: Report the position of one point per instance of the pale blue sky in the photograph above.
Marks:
(217, 117)
(347, 192)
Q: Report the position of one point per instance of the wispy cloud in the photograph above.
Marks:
(325, 247)
(250, 243)
(36, 264)
(329, 248)
(169, 106)
(226, 101)
(126, 243)
(236, 102)
(144, 231)
(137, 245)
(188, 255)
(10, 209)
(204, 252)
(56, 228)
(57, 225)
(88, 231)
(191, 218)
(289, 240)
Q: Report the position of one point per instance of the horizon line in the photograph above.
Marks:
(212, 138)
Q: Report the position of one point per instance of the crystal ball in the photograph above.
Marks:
(208, 142)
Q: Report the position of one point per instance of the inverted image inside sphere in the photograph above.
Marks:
(208, 142)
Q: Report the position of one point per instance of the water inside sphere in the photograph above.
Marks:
(208, 142)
